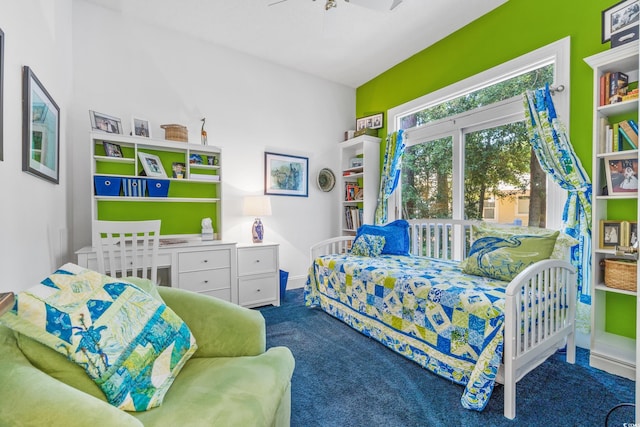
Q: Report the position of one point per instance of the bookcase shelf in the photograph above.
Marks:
(363, 179)
(189, 199)
(611, 349)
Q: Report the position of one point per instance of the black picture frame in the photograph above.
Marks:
(620, 17)
(286, 175)
(111, 149)
(40, 129)
(1, 95)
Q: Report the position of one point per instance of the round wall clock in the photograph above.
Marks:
(326, 179)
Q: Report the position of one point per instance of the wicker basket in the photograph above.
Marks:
(175, 132)
(621, 274)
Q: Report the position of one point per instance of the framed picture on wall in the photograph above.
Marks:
(619, 18)
(40, 129)
(286, 175)
(375, 121)
(1, 93)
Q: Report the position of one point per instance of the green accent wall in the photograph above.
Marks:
(513, 29)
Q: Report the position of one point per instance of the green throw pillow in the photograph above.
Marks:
(503, 258)
(368, 245)
(130, 344)
(564, 242)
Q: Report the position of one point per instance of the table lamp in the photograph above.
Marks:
(257, 206)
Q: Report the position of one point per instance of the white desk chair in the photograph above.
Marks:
(121, 255)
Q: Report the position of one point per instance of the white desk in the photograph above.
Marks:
(208, 267)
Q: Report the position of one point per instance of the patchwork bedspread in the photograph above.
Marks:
(426, 309)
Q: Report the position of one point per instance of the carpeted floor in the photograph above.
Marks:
(343, 378)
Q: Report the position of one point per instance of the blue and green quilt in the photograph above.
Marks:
(426, 309)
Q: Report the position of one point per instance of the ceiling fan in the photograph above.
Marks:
(371, 4)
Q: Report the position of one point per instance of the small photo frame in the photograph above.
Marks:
(610, 234)
(152, 165)
(141, 127)
(633, 234)
(286, 175)
(622, 175)
(179, 170)
(375, 121)
(619, 18)
(355, 162)
(105, 123)
(111, 149)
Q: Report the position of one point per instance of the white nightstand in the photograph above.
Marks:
(258, 274)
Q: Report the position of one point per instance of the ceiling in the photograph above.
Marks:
(349, 44)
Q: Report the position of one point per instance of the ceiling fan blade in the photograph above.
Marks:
(276, 2)
(376, 4)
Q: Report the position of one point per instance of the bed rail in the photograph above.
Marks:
(440, 238)
(335, 245)
(540, 305)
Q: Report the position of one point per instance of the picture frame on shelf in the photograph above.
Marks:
(632, 236)
(40, 129)
(141, 127)
(152, 165)
(375, 121)
(105, 123)
(355, 162)
(286, 175)
(111, 149)
(610, 234)
(622, 175)
(620, 18)
(179, 170)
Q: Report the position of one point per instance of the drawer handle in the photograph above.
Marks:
(206, 281)
(258, 290)
(205, 261)
(258, 260)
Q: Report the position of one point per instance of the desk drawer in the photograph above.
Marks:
(203, 260)
(258, 289)
(205, 280)
(257, 260)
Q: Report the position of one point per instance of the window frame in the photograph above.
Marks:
(496, 114)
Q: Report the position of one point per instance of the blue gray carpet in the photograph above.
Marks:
(343, 378)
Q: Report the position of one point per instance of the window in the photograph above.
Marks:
(468, 155)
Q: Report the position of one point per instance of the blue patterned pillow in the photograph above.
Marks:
(131, 344)
(396, 236)
(368, 245)
(503, 258)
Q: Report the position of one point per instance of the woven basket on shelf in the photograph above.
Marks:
(175, 132)
(621, 274)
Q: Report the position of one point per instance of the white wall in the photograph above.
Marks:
(34, 215)
(123, 67)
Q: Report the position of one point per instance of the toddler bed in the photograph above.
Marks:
(409, 291)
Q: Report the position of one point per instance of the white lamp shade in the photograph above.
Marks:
(257, 206)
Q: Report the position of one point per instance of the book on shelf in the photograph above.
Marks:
(629, 132)
(352, 192)
(352, 217)
(615, 87)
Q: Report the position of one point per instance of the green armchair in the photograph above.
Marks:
(231, 380)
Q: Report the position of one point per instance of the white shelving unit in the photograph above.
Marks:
(365, 176)
(203, 189)
(609, 351)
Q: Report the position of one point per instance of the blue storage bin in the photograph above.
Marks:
(134, 187)
(158, 187)
(107, 185)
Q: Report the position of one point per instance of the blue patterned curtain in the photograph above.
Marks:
(390, 176)
(551, 144)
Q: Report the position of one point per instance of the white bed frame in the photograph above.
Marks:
(548, 286)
